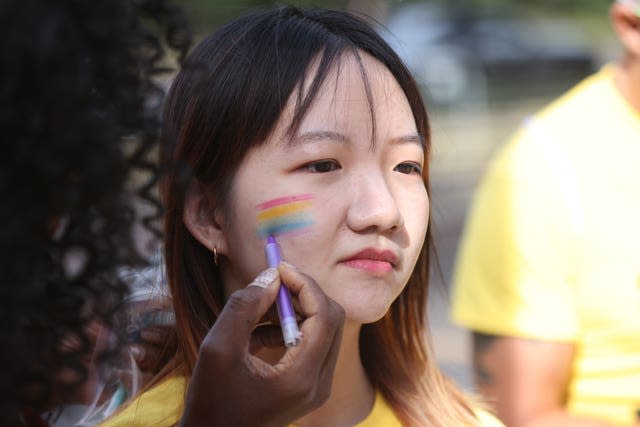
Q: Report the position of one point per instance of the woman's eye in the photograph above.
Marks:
(409, 168)
(322, 166)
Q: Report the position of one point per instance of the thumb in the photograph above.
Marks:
(244, 309)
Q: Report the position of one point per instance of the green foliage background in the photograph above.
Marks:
(209, 14)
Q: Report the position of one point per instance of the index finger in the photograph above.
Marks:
(321, 327)
(311, 298)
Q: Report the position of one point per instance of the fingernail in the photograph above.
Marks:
(286, 264)
(265, 278)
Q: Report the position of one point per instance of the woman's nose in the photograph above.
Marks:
(373, 205)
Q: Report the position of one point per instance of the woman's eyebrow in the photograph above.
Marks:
(327, 135)
(409, 139)
(318, 135)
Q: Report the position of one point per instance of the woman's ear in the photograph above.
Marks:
(204, 219)
(627, 26)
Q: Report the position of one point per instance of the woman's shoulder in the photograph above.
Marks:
(161, 405)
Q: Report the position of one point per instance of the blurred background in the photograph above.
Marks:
(483, 66)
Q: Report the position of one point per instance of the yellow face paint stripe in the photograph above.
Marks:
(284, 210)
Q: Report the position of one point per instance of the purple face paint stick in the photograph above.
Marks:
(287, 315)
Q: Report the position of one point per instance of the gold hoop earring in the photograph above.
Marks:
(215, 255)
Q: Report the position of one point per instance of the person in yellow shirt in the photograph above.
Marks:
(548, 275)
(301, 125)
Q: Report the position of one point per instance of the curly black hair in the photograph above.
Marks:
(79, 102)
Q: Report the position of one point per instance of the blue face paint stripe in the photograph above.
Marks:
(274, 228)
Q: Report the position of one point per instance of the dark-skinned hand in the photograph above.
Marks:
(230, 386)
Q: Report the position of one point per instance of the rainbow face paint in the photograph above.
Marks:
(285, 215)
(276, 217)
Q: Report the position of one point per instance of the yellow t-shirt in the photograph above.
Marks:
(552, 245)
(162, 406)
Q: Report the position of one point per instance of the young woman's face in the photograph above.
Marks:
(370, 208)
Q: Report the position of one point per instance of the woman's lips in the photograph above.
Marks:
(372, 260)
(369, 265)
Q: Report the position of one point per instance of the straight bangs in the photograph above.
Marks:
(235, 85)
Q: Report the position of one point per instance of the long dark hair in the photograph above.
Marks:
(227, 99)
(77, 120)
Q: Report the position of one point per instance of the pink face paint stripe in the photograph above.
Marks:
(282, 200)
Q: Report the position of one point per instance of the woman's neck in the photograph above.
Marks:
(352, 395)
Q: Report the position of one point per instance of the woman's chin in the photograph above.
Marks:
(365, 315)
